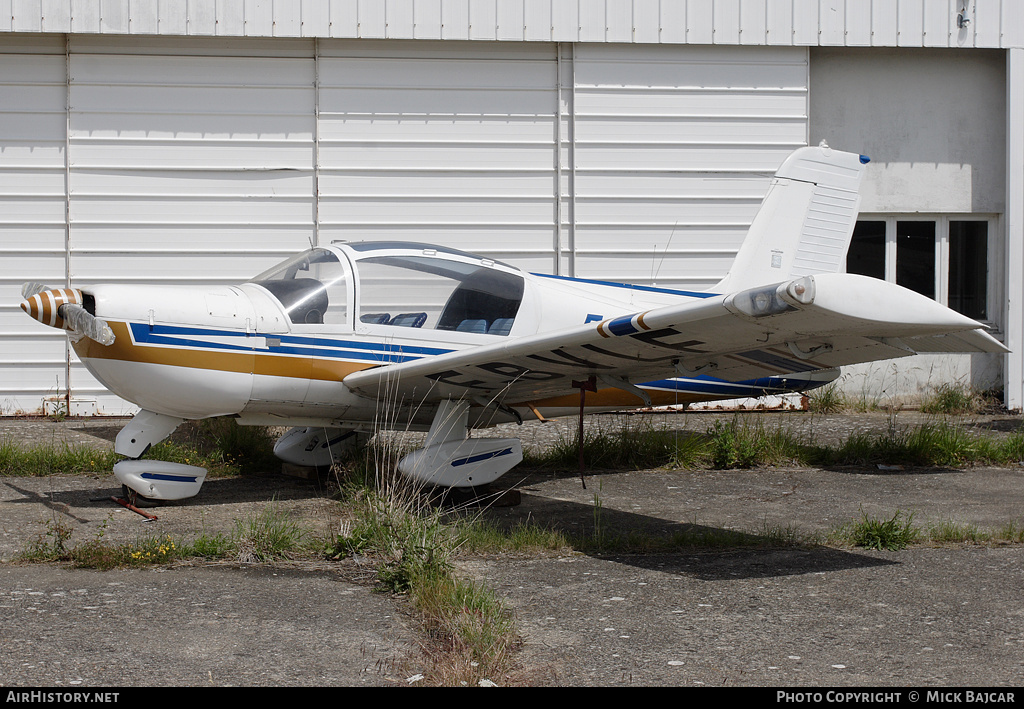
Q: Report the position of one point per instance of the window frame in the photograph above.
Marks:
(345, 266)
(994, 246)
(360, 253)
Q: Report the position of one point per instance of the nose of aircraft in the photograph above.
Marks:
(62, 308)
(42, 303)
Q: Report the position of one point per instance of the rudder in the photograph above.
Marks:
(805, 222)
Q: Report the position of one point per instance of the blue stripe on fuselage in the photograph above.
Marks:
(646, 289)
(301, 345)
(327, 347)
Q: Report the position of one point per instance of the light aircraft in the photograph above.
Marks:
(447, 341)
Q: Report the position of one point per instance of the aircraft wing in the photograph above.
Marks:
(798, 326)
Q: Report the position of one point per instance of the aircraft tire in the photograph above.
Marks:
(138, 500)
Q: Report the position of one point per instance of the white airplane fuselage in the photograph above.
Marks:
(201, 351)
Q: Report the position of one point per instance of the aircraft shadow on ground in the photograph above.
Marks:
(753, 556)
(217, 491)
(62, 501)
(727, 555)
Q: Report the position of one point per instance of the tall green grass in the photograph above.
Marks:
(52, 458)
(220, 445)
(747, 444)
(473, 634)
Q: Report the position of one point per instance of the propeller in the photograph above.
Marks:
(85, 323)
(62, 308)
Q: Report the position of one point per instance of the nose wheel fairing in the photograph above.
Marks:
(159, 479)
(153, 479)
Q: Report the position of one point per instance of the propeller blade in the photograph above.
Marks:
(31, 288)
(85, 323)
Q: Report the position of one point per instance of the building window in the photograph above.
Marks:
(867, 250)
(968, 268)
(915, 256)
(944, 258)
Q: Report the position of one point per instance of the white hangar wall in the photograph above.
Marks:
(123, 164)
(195, 140)
(854, 23)
(194, 160)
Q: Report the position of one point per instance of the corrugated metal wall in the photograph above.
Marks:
(193, 161)
(672, 150)
(33, 225)
(185, 168)
(904, 23)
(452, 143)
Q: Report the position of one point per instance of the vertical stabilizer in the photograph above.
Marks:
(805, 221)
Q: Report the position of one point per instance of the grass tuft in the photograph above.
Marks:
(890, 534)
(472, 634)
(828, 399)
(954, 399)
(53, 545)
(266, 535)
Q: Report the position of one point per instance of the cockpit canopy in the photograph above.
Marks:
(397, 285)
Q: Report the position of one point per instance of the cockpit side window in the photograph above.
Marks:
(436, 293)
(487, 299)
(312, 287)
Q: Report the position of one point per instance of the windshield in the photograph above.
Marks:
(311, 286)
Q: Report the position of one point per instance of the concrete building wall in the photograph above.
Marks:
(934, 123)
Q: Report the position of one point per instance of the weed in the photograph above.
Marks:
(730, 448)
(473, 634)
(480, 536)
(639, 446)
(953, 399)
(892, 534)
(52, 543)
(828, 399)
(736, 445)
(220, 445)
(933, 444)
(52, 459)
(207, 546)
(956, 533)
(1010, 532)
(266, 535)
(247, 447)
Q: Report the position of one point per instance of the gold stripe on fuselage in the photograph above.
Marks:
(249, 362)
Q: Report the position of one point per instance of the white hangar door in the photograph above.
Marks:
(33, 357)
(674, 147)
(639, 163)
(208, 160)
(451, 143)
(189, 163)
